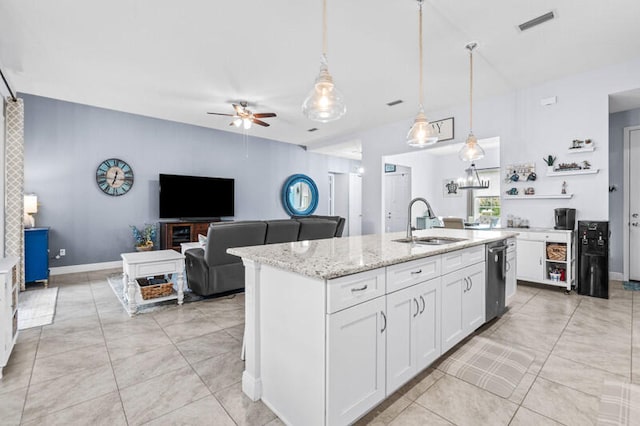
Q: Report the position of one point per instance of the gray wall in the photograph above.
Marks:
(65, 142)
(617, 123)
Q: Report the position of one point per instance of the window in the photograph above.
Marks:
(486, 202)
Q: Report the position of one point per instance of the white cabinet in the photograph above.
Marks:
(463, 304)
(355, 360)
(413, 334)
(326, 351)
(529, 260)
(547, 256)
(511, 267)
(8, 309)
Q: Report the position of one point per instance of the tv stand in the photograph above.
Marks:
(172, 234)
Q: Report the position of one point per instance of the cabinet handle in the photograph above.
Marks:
(417, 307)
(361, 288)
(466, 285)
(540, 261)
(508, 266)
(470, 283)
(424, 305)
(384, 317)
(419, 271)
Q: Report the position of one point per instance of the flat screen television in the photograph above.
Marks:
(195, 197)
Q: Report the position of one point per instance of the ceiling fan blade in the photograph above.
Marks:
(219, 113)
(260, 122)
(265, 115)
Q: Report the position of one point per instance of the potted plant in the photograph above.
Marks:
(144, 238)
(549, 160)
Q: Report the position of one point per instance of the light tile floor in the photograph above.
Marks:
(181, 365)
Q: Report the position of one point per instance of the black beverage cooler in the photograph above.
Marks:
(593, 258)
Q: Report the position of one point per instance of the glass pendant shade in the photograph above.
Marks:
(421, 134)
(324, 103)
(471, 150)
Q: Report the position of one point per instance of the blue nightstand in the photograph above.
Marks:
(36, 255)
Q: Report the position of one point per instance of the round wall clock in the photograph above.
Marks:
(114, 177)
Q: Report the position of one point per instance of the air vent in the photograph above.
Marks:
(394, 103)
(536, 21)
(313, 129)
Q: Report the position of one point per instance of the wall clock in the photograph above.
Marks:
(114, 177)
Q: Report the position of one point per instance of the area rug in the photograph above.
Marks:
(619, 404)
(117, 285)
(631, 285)
(36, 307)
(489, 365)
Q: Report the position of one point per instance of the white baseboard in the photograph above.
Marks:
(87, 267)
(618, 276)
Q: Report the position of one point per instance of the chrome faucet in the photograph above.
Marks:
(411, 203)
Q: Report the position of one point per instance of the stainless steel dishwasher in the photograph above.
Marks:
(496, 279)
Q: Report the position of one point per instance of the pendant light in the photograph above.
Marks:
(421, 134)
(324, 103)
(471, 151)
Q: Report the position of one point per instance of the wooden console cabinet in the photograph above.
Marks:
(172, 234)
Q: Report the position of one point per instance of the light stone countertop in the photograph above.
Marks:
(337, 257)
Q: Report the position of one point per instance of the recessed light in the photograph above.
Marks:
(313, 129)
(394, 103)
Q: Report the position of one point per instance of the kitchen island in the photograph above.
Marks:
(335, 326)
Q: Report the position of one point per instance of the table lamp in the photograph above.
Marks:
(30, 207)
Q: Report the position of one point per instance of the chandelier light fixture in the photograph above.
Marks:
(472, 180)
(421, 134)
(324, 103)
(471, 150)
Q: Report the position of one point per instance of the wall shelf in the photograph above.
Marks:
(580, 150)
(574, 172)
(535, 196)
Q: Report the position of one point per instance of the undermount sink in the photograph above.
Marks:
(430, 241)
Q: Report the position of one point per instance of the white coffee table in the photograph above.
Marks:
(147, 264)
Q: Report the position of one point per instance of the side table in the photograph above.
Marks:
(146, 264)
(36, 255)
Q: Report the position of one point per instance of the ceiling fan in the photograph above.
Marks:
(245, 116)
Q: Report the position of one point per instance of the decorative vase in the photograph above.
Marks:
(144, 248)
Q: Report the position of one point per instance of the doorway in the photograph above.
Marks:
(631, 215)
(346, 200)
(397, 195)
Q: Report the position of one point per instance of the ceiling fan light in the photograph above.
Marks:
(471, 150)
(324, 103)
(237, 121)
(422, 133)
(246, 123)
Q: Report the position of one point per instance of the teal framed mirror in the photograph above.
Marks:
(299, 195)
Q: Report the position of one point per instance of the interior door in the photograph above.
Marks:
(355, 204)
(397, 197)
(634, 205)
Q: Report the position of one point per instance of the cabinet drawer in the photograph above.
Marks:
(461, 258)
(410, 273)
(353, 289)
(151, 269)
(511, 245)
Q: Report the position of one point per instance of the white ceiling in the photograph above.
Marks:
(178, 60)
